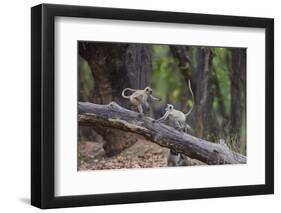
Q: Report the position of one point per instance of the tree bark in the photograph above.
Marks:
(185, 64)
(206, 124)
(238, 92)
(115, 66)
(115, 116)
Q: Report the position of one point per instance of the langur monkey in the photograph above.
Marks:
(139, 98)
(174, 159)
(177, 117)
(178, 120)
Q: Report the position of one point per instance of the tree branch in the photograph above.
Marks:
(115, 116)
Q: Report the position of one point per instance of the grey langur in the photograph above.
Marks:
(139, 98)
(177, 117)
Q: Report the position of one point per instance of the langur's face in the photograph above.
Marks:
(169, 107)
(148, 90)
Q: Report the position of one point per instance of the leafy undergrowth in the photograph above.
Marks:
(142, 154)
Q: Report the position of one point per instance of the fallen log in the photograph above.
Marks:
(114, 116)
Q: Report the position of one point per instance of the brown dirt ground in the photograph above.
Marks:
(142, 154)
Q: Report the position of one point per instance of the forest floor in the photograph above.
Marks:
(142, 154)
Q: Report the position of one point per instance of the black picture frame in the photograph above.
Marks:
(43, 102)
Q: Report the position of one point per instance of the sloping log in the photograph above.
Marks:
(115, 116)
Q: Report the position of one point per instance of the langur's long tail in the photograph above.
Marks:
(127, 96)
(193, 102)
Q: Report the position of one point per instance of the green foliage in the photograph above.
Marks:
(221, 67)
(166, 79)
(86, 81)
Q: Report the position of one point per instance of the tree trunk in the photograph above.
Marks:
(206, 124)
(238, 93)
(185, 64)
(115, 66)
